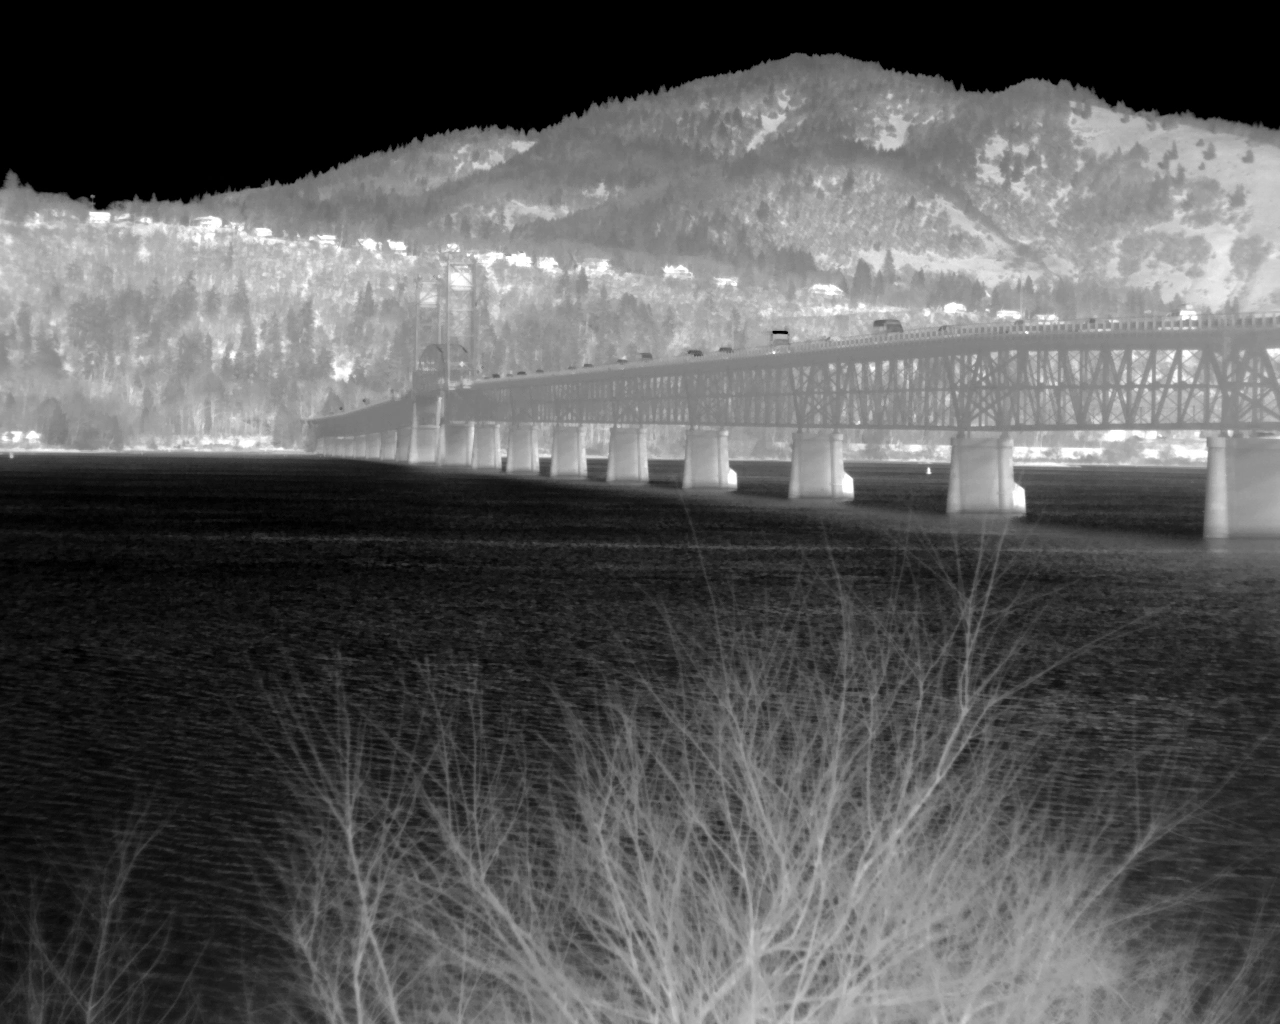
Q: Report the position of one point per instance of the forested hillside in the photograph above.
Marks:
(809, 193)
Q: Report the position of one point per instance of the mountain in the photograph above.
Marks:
(838, 160)
(812, 193)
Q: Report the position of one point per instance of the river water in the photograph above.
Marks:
(146, 599)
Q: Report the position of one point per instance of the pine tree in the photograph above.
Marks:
(888, 270)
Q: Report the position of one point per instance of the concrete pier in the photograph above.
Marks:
(982, 477)
(369, 445)
(706, 460)
(485, 453)
(522, 449)
(456, 444)
(568, 453)
(422, 449)
(628, 456)
(1242, 493)
(387, 449)
(817, 466)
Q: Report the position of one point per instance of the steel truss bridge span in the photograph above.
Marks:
(1215, 373)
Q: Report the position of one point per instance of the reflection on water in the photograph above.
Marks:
(146, 599)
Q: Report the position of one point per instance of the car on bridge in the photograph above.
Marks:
(725, 348)
(886, 326)
(646, 355)
(693, 351)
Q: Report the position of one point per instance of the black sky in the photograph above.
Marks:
(239, 115)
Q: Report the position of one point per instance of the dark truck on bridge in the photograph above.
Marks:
(886, 327)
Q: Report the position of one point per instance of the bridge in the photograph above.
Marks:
(1216, 374)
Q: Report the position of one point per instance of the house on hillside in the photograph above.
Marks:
(324, 239)
(121, 218)
(99, 217)
(262, 232)
(548, 264)
(595, 268)
(519, 259)
(396, 246)
(677, 272)
(955, 309)
(370, 244)
(207, 223)
(826, 291)
(726, 282)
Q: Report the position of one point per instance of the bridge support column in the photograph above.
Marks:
(485, 453)
(423, 447)
(982, 477)
(817, 466)
(522, 448)
(387, 449)
(404, 441)
(456, 444)
(1242, 496)
(568, 452)
(369, 446)
(706, 460)
(628, 456)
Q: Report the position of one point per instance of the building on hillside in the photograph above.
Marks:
(827, 291)
(262, 232)
(677, 272)
(519, 259)
(954, 309)
(396, 246)
(548, 264)
(488, 259)
(726, 282)
(370, 244)
(324, 239)
(99, 217)
(121, 218)
(207, 223)
(1008, 314)
(596, 267)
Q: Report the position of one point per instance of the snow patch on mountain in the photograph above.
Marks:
(891, 133)
(769, 125)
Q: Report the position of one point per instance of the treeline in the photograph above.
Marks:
(189, 362)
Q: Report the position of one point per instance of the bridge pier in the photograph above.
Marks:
(982, 477)
(706, 460)
(1242, 493)
(485, 453)
(568, 452)
(817, 466)
(522, 448)
(456, 444)
(387, 449)
(422, 445)
(367, 446)
(628, 456)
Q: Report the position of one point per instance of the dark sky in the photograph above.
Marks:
(236, 114)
